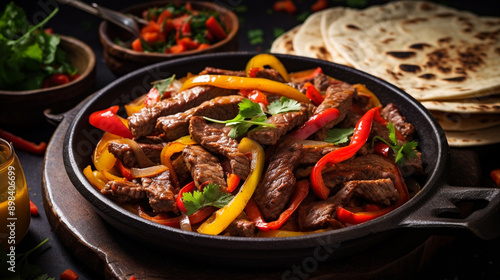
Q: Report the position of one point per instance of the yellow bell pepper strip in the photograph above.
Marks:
(98, 184)
(348, 217)
(314, 123)
(167, 151)
(132, 109)
(108, 120)
(359, 138)
(102, 158)
(253, 212)
(225, 215)
(245, 83)
(373, 99)
(305, 75)
(265, 59)
(313, 94)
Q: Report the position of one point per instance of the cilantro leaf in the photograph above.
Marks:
(339, 135)
(250, 114)
(401, 153)
(210, 196)
(283, 105)
(163, 85)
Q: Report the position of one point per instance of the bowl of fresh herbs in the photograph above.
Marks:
(39, 70)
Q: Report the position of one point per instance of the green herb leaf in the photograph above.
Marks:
(283, 105)
(210, 196)
(163, 85)
(401, 153)
(250, 114)
(256, 36)
(339, 135)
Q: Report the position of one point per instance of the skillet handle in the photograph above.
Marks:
(440, 211)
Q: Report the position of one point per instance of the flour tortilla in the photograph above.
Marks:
(284, 43)
(486, 105)
(309, 40)
(428, 39)
(473, 138)
(465, 121)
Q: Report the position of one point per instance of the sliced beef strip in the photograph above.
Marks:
(218, 71)
(338, 96)
(204, 166)
(161, 193)
(242, 227)
(284, 123)
(322, 82)
(214, 137)
(143, 122)
(314, 153)
(270, 74)
(221, 108)
(380, 191)
(392, 114)
(278, 184)
(124, 152)
(124, 191)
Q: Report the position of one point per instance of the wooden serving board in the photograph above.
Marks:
(110, 253)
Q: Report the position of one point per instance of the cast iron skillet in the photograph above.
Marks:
(426, 210)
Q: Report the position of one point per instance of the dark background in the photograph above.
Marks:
(465, 258)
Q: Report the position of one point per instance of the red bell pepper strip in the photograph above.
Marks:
(163, 219)
(186, 189)
(22, 144)
(233, 182)
(215, 29)
(107, 120)
(349, 217)
(255, 95)
(125, 171)
(314, 123)
(359, 138)
(313, 94)
(252, 210)
(69, 274)
(285, 5)
(33, 209)
(152, 97)
(381, 148)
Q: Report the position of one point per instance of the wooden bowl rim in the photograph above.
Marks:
(209, 5)
(90, 67)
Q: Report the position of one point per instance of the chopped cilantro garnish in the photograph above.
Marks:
(338, 135)
(402, 153)
(256, 36)
(211, 195)
(163, 85)
(283, 105)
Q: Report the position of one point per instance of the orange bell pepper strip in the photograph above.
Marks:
(264, 59)
(252, 210)
(233, 182)
(255, 95)
(359, 138)
(495, 175)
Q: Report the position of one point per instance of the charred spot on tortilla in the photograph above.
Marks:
(401, 54)
(493, 36)
(387, 41)
(419, 46)
(445, 40)
(428, 76)
(352, 26)
(410, 68)
(456, 79)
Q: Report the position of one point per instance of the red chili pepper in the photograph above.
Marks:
(215, 29)
(233, 182)
(314, 123)
(359, 138)
(349, 217)
(252, 210)
(152, 97)
(22, 144)
(33, 209)
(255, 95)
(108, 121)
(381, 148)
(313, 94)
(69, 274)
(186, 189)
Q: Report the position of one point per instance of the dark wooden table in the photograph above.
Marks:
(465, 258)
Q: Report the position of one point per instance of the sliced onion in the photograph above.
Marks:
(147, 171)
(185, 224)
(139, 154)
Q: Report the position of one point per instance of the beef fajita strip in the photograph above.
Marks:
(204, 166)
(143, 122)
(124, 153)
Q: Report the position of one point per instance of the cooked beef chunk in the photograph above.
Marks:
(123, 191)
(204, 166)
(143, 122)
(270, 74)
(182, 172)
(283, 122)
(124, 152)
(160, 193)
(220, 108)
(274, 191)
(413, 166)
(242, 227)
(391, 113)
(338, 96)
(218, 71)
(380, 191)
(322, 82)
(314, 153)
(214, 137)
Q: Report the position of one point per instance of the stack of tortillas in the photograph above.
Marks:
(447, 59)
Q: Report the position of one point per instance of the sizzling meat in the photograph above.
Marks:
(204, 166)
